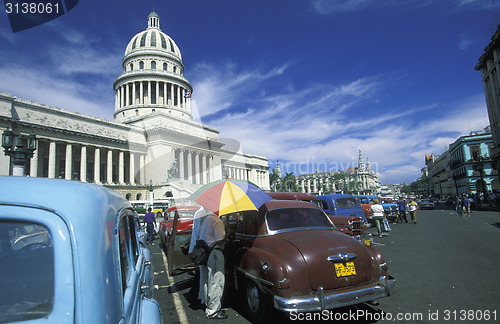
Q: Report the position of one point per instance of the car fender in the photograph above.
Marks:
(272, 274)
(150, 312)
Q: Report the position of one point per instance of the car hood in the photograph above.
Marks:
(319, 245)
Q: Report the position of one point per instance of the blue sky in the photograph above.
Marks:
(304, 82)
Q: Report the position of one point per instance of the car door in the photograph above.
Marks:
(36, 266)
(136, 272)
(177, 250)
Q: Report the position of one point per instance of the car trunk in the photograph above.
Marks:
(321, 271)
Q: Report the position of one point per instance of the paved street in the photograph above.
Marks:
(445, 266)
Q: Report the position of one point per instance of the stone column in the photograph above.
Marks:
(164, 93)
(149, 93)
(34, 163)
(121, 168)
(52, 159)
(68, 167)
(204, 169)
(83, 164)
(141, 93)
(127, 94)
(157, 92)
(122, 97)
(133, 93)
(197, 174)
(190, 166)
(182, 173)
(109, 173)
(132, 168)
(142, 173)
(172, 97)
(179, 96)
(97, 165)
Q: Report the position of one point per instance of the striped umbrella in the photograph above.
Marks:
(229, 196)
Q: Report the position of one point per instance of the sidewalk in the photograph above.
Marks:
(486, 206)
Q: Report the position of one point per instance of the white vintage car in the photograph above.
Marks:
(70, 253)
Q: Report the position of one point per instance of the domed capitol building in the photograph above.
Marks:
(152, 142)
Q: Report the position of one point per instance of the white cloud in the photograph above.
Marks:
(315, 127)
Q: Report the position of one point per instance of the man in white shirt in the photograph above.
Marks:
(213, 232)
(378, 215)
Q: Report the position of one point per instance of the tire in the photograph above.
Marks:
(255, 304)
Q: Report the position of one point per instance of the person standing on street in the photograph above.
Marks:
(150, 222)
(413, 206)
(402, 210)
(199, 217)
(378, 215)
(213, 233)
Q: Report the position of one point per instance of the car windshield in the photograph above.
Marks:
(346, 202)
(290, 218)
(186, 213)
(425, 200)
(26, 271)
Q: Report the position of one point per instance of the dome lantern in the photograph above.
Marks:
(153, 20)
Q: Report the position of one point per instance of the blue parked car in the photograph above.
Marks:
(342, 205)
(70, 252)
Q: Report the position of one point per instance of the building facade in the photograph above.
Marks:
(465, 168)
(489, 65)
(361, 180)
(153, 143)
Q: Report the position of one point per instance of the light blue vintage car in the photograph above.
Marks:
(70, 252)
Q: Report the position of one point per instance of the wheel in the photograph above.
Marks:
(254, 302)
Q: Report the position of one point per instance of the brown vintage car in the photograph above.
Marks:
(350, 225)
(289, 255)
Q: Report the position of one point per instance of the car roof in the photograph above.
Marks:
(335, 196)
(182, 207)
(292, 195)
(274, 204)
(81, 204)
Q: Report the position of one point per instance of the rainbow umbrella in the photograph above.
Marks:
(230, 196)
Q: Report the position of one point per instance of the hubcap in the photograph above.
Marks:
(253, 297)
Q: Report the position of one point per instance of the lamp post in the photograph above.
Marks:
(14, 148)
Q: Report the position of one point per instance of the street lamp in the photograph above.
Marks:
(14, 148)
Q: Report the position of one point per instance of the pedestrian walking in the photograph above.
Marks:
(150, 223)
(413, 206)
(213, 233)
(402, 208)
(458, 205)
(466, 202)
(377, 212)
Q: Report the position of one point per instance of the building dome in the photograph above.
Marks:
(153, 77)
(152, 39)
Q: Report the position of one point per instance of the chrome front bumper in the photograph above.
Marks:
(385, 287)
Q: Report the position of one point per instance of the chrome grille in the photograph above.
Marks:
(355, 227)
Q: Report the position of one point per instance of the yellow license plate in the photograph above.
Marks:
(345, 269)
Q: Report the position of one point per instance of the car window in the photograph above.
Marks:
(248, 222)
(26, 271)
(128, 245)
(346, 202)
(287, 218)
